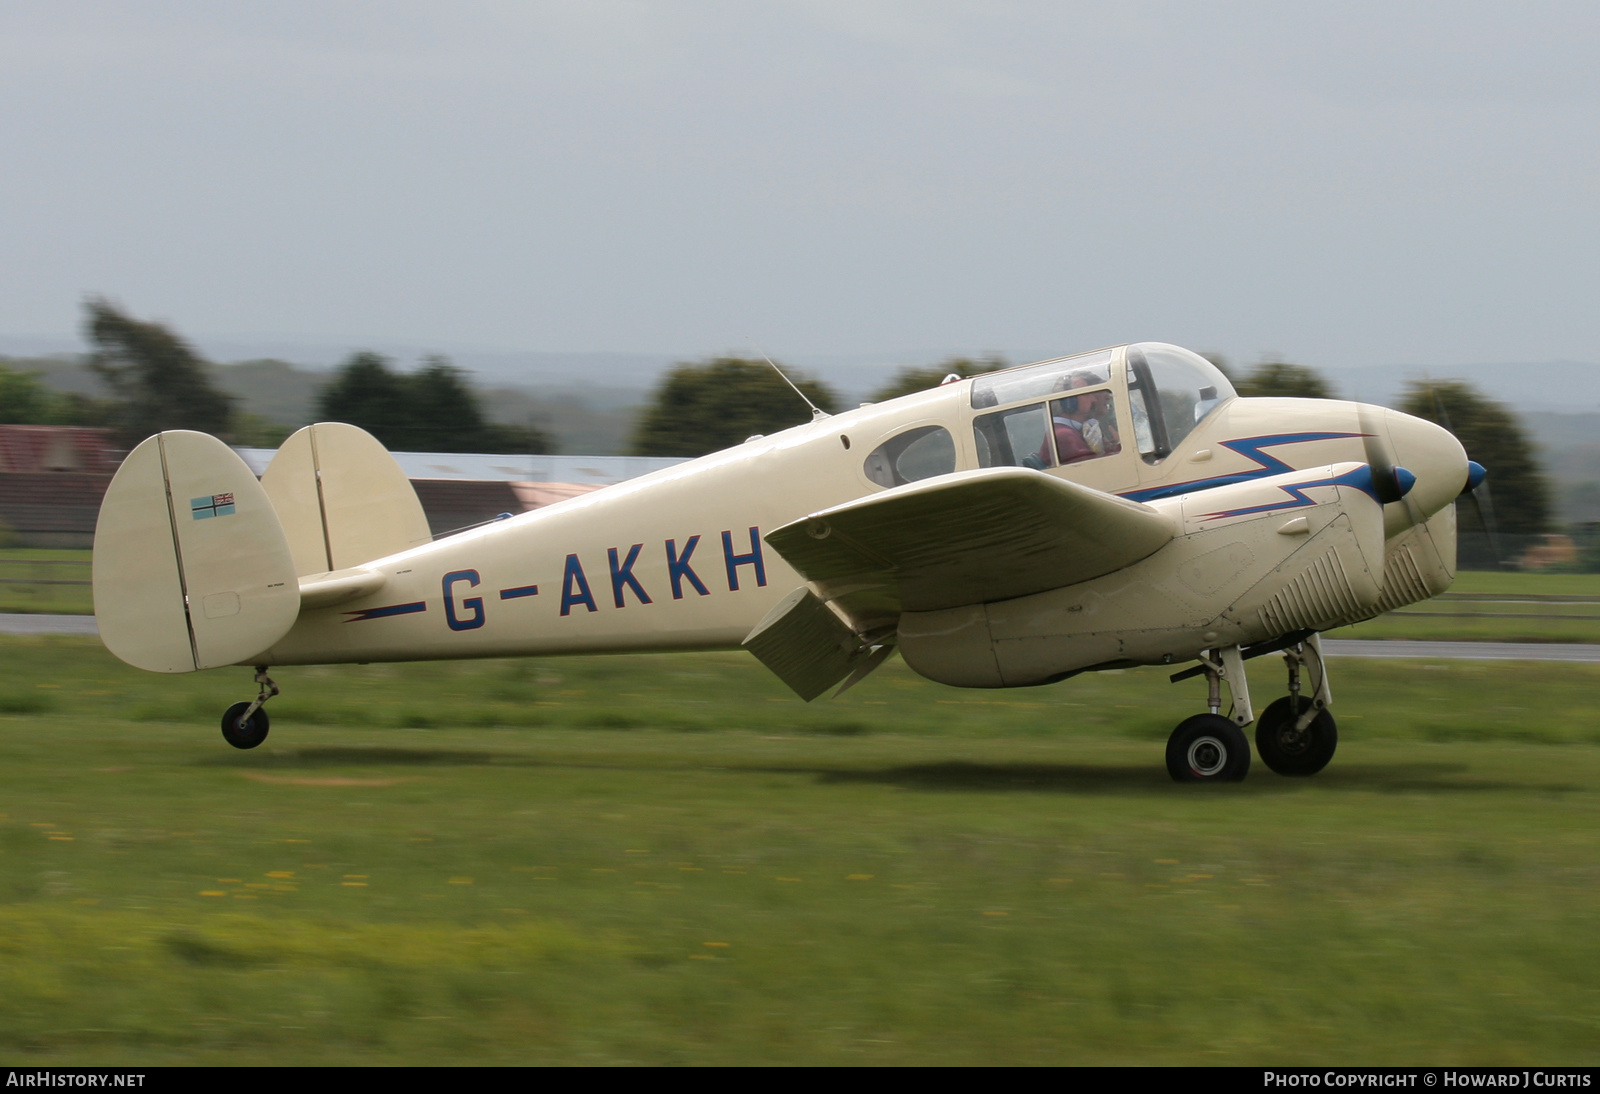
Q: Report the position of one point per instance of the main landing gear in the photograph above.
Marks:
(1295, 736)
(245, 725)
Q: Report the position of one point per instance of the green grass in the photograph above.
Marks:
(1497, 607)
(1477, 581)
(669, 860)
(40, 564)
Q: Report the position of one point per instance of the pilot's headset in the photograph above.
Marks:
(1090, 380)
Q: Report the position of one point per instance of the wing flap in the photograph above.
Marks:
(971, 537)
(805, 644)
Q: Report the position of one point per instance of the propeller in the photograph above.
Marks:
(1477, 489)
(1390, 482)
(1477, 486)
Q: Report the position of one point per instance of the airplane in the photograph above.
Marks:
(1109, 509)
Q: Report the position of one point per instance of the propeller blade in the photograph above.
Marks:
(1390, 483)
(1481, 502)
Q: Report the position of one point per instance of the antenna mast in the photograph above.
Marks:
(816, 411)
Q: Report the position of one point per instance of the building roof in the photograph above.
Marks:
(481, 467)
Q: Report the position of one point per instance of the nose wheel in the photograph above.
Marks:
(245, 725)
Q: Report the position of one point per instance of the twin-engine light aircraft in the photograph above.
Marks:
(1115, 508)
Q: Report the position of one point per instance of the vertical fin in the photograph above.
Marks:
(191, 567)
(342, 498)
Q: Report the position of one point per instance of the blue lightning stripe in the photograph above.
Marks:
(1251, 449)
(1360, 478)
(365, 614)
(521, 590)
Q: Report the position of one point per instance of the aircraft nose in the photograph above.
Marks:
(1430, 453)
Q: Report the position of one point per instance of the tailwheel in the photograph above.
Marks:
(1208, 748)
(243, 727)
(1289, 749)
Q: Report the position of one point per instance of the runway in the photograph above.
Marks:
(1461, 651)
(47, 624)
(1335, 647)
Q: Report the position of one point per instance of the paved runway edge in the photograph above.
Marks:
(1336, 647)
(47, 624)
(1461, 651)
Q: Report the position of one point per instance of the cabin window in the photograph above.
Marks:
(919, 453)
(1038, 381)
(1019, 437)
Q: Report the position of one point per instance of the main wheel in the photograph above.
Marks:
(1208, 748)
(1289, 753)
(242, 732)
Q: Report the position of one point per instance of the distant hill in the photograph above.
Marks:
(588, 401)
(590, 421)
(1561, 387)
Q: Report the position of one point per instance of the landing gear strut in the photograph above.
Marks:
(245, 725)
(1297, 734)
(1211, 747)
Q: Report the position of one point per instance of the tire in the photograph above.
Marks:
(1208, 748)
(246, 734)
(1289, 753)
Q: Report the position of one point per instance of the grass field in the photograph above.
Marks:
(1490, 607)
(31, 581)
(670, 860)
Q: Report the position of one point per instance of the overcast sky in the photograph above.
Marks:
(1343, 184)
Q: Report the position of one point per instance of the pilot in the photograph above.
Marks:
(1083, 425)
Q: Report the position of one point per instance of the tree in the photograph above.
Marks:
(715, 404)
(23, 399)
(27, 400)
(1283, 380)
(431, 410)
(157, 380)
(1491, 435)
(365, 393)
(911, 378)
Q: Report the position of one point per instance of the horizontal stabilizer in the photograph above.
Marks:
(805, 644)
(337, 586)
(191, 568)
(342, 498)
(972, 537)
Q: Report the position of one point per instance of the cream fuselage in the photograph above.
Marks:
(675, 560)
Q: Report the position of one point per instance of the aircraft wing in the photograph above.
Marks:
(970, 537)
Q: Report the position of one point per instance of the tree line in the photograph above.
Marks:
(158, 381)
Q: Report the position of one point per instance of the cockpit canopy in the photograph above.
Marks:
(1169, 391)
(1067, 411)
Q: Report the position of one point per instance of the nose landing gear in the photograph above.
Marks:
(245, 725)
